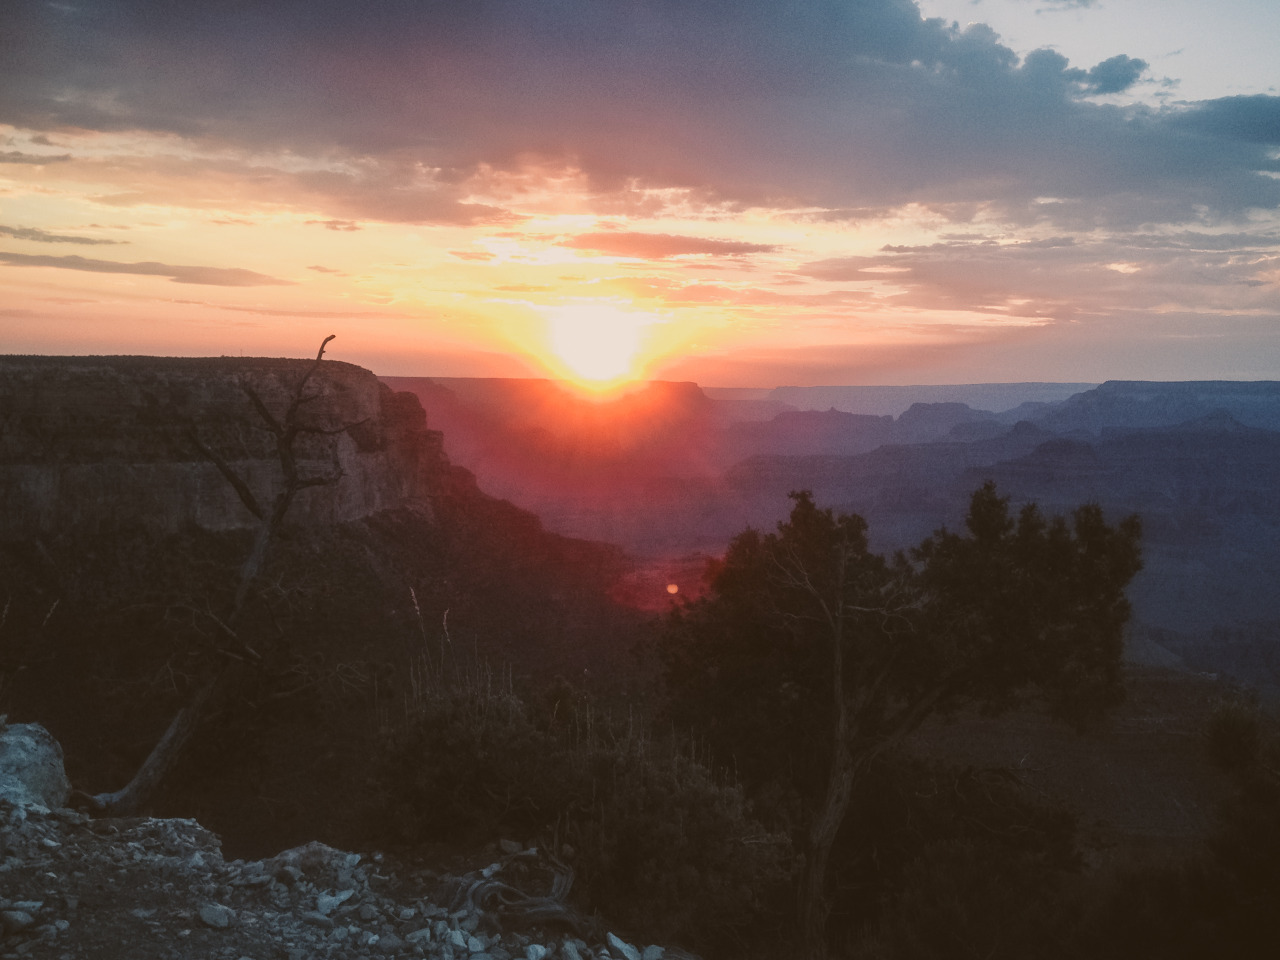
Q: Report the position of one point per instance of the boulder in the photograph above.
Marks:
(31, 769)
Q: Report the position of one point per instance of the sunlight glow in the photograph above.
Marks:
(597, 343)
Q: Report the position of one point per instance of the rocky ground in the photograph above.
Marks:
(72, 886)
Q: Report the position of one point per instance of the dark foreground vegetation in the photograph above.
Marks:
(735, 778)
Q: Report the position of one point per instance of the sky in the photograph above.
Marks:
(745, 193)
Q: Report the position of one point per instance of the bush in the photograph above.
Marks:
(660, 844)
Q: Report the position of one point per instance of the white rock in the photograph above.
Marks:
(327, 903)
(535, 951)
(627, 950)
(31, 769)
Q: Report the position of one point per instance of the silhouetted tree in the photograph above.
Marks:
(234, 648)
(811, 655)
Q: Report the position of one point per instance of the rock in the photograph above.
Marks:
(319, 862)
(535, 951)
(652, 952)
(216, 915)
(316, 919)
(510, 847)
(390, 943)
(15, 921)
(569, 951)
(31, 771)
(621, 946)
(326, 903)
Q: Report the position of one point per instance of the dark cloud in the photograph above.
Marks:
(213, 276)
(1115, 75)
(1253, 119)
(41, 236)
(818, 104)
(659, 246)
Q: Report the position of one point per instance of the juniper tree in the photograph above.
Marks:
(811, 655)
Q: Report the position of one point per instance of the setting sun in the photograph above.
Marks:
(597, 343)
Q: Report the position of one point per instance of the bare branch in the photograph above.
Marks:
(237, 483)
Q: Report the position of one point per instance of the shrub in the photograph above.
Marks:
(660, 843)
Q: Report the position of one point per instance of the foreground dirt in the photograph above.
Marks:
(73, 888)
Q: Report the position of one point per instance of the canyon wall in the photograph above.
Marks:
(113, 443)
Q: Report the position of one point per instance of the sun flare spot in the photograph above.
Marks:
(597, 344)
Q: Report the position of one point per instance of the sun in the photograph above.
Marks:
(597, 344)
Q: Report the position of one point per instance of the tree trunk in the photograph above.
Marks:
(814, 906)
(163, 757)
(166, 754)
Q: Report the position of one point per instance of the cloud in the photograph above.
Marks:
(828, 105)
(1254, 119)
(1115, 75)
(213, 276)
(41, 236)
(1067, 279)
(659, 246)
(347, 225)
(16, 156)
(320, 269)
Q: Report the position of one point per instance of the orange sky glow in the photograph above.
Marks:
(750, 222)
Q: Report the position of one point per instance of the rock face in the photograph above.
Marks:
(31, 767)
(103, 443)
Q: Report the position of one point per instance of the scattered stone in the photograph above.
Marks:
(326, 903)
(316, 919)
(15, 921)
(217, 915)
(390, 942)
(627, 950)
(535, 951)
(652, 952)
(510, 847)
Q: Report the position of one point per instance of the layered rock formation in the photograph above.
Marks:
(100, 443)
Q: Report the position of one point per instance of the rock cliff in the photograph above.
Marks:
(114, 442)
(121, 545)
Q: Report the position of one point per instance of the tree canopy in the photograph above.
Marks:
(811, 654)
